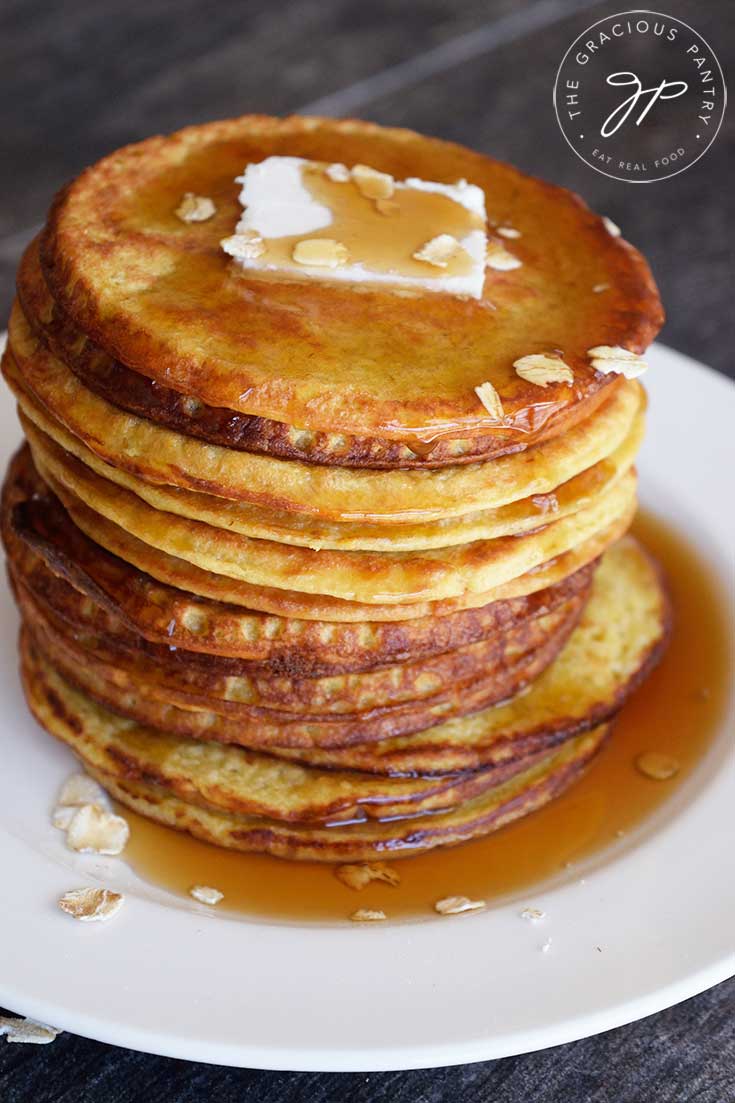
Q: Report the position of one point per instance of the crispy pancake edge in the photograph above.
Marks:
(333, 494)
(231, 779)
(401, 840)
(140, 395)
(56, 558)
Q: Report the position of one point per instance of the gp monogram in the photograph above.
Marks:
(640, 96)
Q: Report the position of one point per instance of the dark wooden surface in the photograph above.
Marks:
(83, 77)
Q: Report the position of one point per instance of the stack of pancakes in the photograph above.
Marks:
(285, 583)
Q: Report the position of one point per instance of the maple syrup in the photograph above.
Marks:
(386, 242)
(677, 712)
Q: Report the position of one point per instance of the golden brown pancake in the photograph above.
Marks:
(397, 838)
(369, 577)
(79, 610)
(620, 637)
(185, 575)
(133, 277)
(59, 564)
(262, 728)
(132, 766)
(171, 678)
(233, 779)
(158, 455)
(147, 398)
(402, 838)
(304, 531)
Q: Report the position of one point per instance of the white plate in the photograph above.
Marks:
(171, 978)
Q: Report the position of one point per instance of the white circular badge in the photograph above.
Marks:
(640, 96)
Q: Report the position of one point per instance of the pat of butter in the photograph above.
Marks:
(288, 200)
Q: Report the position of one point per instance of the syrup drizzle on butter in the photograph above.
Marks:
(381, 242)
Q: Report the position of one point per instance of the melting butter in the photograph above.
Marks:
(380, 230)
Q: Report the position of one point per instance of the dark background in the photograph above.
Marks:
(79, 78)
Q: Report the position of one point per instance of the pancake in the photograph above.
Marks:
(82, 614)
(521, 795)
(262, 523)
(170, 677)
(233, 779)
(620, 637)
(159, 455)
(147, 398)
(185, 575)
(131, 763)
(59, 563)
(133, 277)
(286, 581)
(160, 707)
(368, 577)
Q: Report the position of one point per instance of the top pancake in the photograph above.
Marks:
(160, 295)
(129, 390)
